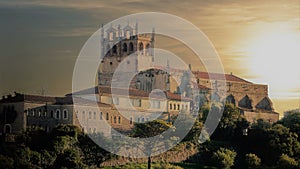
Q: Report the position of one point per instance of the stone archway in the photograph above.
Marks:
(230, 99)
(265, 104)
(245, 102)
(7, 128)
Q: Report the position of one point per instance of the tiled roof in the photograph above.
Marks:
(92, 90)
(218, 76)
(124, 92)
(79, 101)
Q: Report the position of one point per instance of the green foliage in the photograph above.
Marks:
(261, 124)
(70, 158)
(282, 141)
(286, 162)
(231, 125)
(150, 129)
(6, 162)
(252, 161)
(224, 158)
(292, 121)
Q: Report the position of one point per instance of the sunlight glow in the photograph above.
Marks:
(274, 58)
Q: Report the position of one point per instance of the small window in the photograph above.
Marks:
(130, 122)
(114, 49)
(124, 47)
(170, 106)
(130, 46)
(57, 114)
(110, 63)
(101, 115)
(95, 130)
(115, 119)
(95, 115)
(119, 120)
(107, 116)
(33, 113)
(178, 107)
(39, 113)
(65, 114)
(83, 115)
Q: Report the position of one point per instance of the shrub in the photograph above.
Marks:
(224, 158)
(252, 161)
(287, 162)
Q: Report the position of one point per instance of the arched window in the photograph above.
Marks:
(7, 128)
(125, 47)
(101, 115)
(230, 99)
(114, 50)
(83, 115)
(107, 116)
(170, 106)
(95, 115)
(127, 34)
(178, 107)
(141, 48)
(174, 106)
(90, 115)
(115, 119)
(130, 47)
(246, 102)
(119, 120)
(130, 122)
(57, 114)
(65, 114)
(147, 49)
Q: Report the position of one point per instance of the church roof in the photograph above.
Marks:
(218, 76)
(130, 92)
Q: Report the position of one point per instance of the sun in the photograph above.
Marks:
(274, 58)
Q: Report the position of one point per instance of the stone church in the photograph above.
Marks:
(120, 44)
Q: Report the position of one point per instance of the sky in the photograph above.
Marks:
(257, 40)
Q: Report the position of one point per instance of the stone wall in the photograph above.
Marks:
(268, 116)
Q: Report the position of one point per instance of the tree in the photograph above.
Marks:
(286, 162)
(150, 129)
(6, 162)
(282, 141)
(292, 121)
(70, 158)
(231, 124)
(252, 161)
(224, 158)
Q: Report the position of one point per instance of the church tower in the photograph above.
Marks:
(119, 43)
